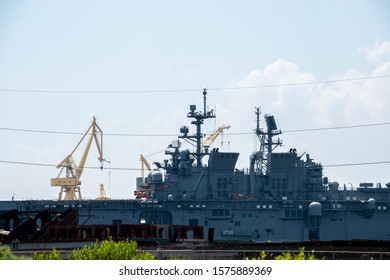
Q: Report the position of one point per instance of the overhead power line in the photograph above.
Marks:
(337, 127)
(356, 164)
(127, 91)
(174, 135)
(137, 169)
(82, 133)
(54, 165)
(303, 83)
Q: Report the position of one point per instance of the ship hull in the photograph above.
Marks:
(227, 221)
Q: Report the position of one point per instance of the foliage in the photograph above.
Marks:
(178, 257)
(110, 250)
(4, 253)
(289, 256)
(298, 256)
(53, 255)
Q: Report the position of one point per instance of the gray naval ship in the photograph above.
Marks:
(281, 197)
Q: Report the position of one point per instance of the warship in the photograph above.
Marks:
(280, 197)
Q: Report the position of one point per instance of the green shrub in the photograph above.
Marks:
(178, 257)
(4, 253)
(298, 256)
(110, 250)
(289, 256)
(53, 255)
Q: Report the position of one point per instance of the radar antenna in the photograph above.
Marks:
(267, 144)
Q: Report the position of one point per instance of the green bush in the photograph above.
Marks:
(4, 253)
(289, 256)
(298, 256)
(53, 255)
(111, 250)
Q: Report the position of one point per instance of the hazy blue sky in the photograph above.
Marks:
(138, 65)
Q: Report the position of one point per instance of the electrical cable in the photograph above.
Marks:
(174, 135)
(192, 90)
(137, 169)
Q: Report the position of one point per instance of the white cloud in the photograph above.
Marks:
(328, 104)
(376, 53)
(276, 99)
(314, 106)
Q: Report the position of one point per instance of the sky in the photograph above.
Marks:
(322, 68)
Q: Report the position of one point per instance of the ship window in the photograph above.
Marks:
(279, 185)
(117, 222)
(222, 187)
(221, 212)
(293, 213)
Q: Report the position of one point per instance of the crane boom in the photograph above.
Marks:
(144, 163)
(70, 185)
(211, 138)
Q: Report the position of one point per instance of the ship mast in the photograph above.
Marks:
(267, 144)
(199, 119)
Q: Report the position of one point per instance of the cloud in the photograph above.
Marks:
(319, 105)
(376, 53)
(327, 104)
(271, 98)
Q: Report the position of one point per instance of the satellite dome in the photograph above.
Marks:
(155, 177)
(333, 186)
(315, 209)
(371, 203)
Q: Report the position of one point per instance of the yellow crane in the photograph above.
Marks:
(144, 163)
(70, 184)
(211, 138)
(102, 193)
(141, 180)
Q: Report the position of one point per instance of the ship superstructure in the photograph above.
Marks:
(282, 196)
